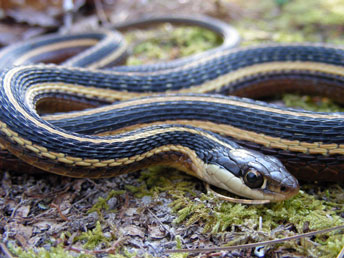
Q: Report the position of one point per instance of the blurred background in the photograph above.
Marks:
(264, 20)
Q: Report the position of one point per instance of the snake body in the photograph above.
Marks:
(178, 129)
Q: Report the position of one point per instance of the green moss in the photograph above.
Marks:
(331, 246)
(164, 43)
(320, 104)
(179, 246)
(101, 204)
(94, 237)
(304, 210)
(60, 252)
(53, 252)
(293, 21)
(323, 13)
(160, 179)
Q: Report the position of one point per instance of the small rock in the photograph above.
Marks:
(131, 211)
(107, 235)
(132, 230)
(155, 232)
(146, 200)
(112, 202)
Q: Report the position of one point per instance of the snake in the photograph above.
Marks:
(196, 113)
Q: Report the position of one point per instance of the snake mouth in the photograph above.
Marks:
(270, 190)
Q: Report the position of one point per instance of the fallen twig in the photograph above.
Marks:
(247, 246)
(53, 205)
(6, 252)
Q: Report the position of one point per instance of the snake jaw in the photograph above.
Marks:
(252, 175)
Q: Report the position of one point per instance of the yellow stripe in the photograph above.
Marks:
(56, 46)
(208, 86)
(271, 67)
(78, 90)
(111, 57)
(196, 164)
(246, 135)
(141, 135)
(188, 98)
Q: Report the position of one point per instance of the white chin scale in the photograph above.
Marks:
(224, 179)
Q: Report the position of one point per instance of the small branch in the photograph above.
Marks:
(247, 246)
(101, 12)
(68, 7)
(5, 250)
(162, 224)
(53, 205)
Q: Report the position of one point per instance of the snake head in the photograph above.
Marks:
(251, 174)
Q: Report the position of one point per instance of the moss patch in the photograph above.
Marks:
(313, 103)
(166, 43)
(299, 215)
(102, 204)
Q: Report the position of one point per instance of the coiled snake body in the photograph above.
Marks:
(174, 113)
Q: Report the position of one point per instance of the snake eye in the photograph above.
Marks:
(253, 178)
